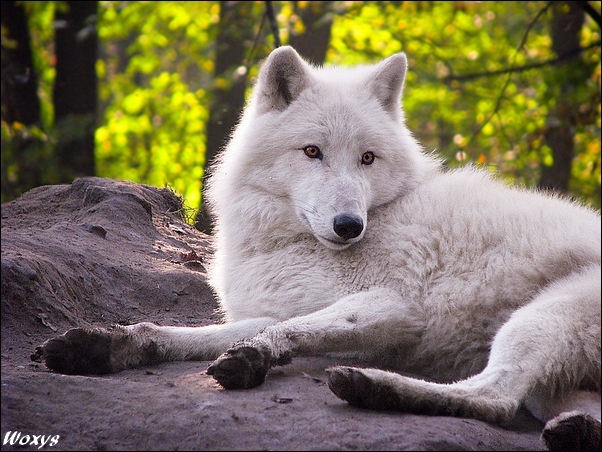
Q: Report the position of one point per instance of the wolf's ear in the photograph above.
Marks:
(388, 82)
(282, 78)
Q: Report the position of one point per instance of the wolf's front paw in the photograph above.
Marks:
(572, 431)
(79, 351)
(358, 389)
(241, 367)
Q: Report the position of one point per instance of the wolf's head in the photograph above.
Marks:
(330, 143)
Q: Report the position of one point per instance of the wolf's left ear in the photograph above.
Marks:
(387, 84)
(282, 78)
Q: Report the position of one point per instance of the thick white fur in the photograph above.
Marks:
(492, 290)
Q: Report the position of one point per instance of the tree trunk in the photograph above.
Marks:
(317, 19)
(75, 89)
(19, 79)
(567, 20)
(237, 23)
(21, 165)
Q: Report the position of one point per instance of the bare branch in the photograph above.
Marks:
(526, 67)
(273, 23)
(498, 103)
(591, 12)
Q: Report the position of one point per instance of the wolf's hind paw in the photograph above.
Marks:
(80, 351)
(356, 388)
(572, 431)
(241, 367)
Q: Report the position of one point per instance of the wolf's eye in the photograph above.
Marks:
(368, 158)
(313, 152)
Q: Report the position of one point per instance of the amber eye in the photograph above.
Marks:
(313, 152)
(368, 158)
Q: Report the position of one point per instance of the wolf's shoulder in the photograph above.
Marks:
(471, 184)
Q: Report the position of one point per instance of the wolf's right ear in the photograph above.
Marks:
(387, 83)
(282, 78)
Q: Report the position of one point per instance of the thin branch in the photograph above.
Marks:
(531, 25)
(498, 103)
(273, 23)
(251, 52)
(269, 13)
(526, 67)
(591, 12)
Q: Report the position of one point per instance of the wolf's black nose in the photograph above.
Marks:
(348, 226)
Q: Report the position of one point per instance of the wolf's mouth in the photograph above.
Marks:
(335, 245)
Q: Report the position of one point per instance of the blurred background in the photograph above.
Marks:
(149, 91)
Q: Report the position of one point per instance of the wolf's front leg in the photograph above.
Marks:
(363, 322)
(82, 351)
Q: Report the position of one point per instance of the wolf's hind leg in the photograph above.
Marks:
(84, 351)
(551, 346)
(382, 390)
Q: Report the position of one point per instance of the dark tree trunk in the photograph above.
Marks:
(567, 20)
(317, 19)
(22, 168)
(19, 79)
(237, 25)
(75, 89)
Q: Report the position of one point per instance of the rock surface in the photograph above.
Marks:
(102, 251)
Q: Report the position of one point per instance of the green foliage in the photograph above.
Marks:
(41, 26)
(27, 158)
(499, 120)
(156, 61)
(27, 151)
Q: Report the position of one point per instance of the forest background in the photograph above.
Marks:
(149, 91)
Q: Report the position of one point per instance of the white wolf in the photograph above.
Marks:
(336, 232)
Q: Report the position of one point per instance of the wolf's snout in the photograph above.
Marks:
(348, 226)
